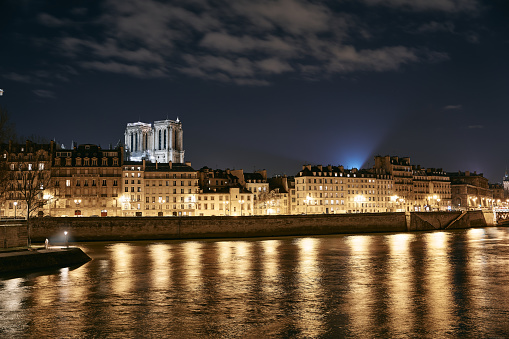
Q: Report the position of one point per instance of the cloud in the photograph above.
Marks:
(475, 127)
(453, 107)
(19, 77)
(122, 68)
(450, 6)
(243, 42)
(42, 93)
(51, 21)
(434, 27)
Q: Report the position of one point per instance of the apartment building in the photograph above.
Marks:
(86, 181)
(158, 189)
(432, 189)
(331, 189)
(25, 171)
(470, 190)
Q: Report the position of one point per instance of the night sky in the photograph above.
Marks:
(268, 84)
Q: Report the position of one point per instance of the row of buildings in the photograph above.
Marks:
(131, 181)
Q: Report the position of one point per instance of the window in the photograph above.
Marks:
(115, 183)
(94, 161)
(105, 162)
(126, 189)
(68, 183)
(104, 182)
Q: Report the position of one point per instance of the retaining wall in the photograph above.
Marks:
(13, 234)
(138, 228)
(151, 228)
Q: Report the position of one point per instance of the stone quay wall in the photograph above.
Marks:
(13, 233)
(153, 228)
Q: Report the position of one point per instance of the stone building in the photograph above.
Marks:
(331, 190)
(159, 189)
(470, 190)
(161, 142)
(86, 181)
(25, 177)
(400, 170)
(432, 189)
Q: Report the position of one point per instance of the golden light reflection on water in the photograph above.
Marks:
(161, 267)
(270, 261)
(438, 282)
(400, 273)
(360, 280)
(11, 295)
(309, 289)
(192, 252)
(121, 258)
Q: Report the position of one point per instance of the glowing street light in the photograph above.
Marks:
(15, 206)
(66, 242)
(307, 201)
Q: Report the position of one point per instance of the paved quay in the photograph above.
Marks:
(40, 259)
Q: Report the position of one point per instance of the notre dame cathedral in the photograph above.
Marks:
(160, 142)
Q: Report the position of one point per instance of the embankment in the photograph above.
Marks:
(41, 259)
(153, 228)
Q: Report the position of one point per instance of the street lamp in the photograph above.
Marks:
(66, 243)
(307, 201)
(15, 206)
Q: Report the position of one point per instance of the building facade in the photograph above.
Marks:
(86, 181)
(332, 190)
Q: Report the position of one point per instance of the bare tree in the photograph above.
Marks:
(26, 177)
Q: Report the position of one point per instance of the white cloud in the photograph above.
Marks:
(452, 107)
(42, 93)
(117, 67)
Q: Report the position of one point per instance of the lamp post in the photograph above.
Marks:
(15, 206)
(66, 242)
(77, 202)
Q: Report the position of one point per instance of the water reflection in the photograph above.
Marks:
(437, 284)
(400, 273)
(310, 306)
(360, 281)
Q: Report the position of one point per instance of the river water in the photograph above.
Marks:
(431, 285)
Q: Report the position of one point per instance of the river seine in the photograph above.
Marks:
(429, 285)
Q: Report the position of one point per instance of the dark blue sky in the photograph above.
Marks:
(268, 84)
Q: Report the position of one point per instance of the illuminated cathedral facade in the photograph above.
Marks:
(160, 142)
